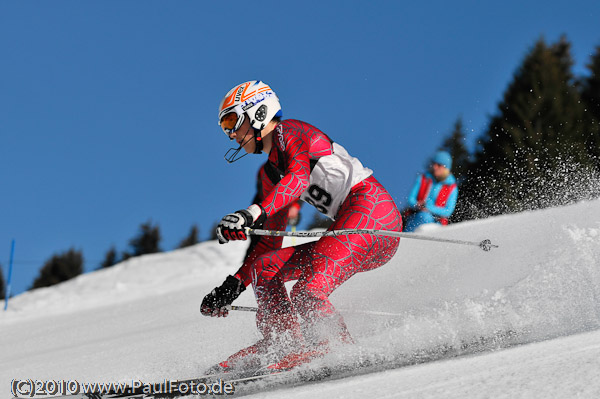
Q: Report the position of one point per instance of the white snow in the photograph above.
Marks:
(520, 321)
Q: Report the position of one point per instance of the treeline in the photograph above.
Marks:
(542, 145)
(66, 265)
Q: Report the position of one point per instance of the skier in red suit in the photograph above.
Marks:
(303, 163)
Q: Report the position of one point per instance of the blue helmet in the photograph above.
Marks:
(443, 158)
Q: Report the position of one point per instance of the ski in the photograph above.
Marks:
(257, 377)
(253, 379)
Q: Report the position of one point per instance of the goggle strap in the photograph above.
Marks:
(239, 122)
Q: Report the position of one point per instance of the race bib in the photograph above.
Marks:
(331, 180)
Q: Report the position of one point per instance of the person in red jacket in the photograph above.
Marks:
(433, 197)
(303, 163)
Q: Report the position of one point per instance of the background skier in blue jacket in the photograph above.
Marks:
(434, 194)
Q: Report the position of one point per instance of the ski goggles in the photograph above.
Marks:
(231, 121)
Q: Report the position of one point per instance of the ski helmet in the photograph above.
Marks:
(253, 99)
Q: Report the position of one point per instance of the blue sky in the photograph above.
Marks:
(108, 109)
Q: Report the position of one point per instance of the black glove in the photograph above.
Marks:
(217, 302)
(233, 226)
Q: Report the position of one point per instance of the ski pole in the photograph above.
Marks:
(370, 312)
(243, 308)
(486, 244)
(10, 269)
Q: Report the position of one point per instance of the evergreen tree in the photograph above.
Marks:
(191, 239)
(110, 259)
(534, 142)
(59, 268)
(455, 145)
(146, 242)
(591, 98)
(2, 285)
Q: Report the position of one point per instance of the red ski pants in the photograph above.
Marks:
(322, 266)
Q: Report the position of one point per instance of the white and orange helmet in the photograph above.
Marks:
(253, 99)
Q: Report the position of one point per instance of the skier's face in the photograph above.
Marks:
(440, 172)
(244, 136)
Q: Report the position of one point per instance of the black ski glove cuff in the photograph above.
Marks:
(255, 216)
(220, 297)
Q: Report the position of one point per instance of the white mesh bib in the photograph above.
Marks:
(331, 180)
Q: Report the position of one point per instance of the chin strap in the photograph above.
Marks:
(232, 154)
(258, 141)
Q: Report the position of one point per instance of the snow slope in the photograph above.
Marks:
(520, 321)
